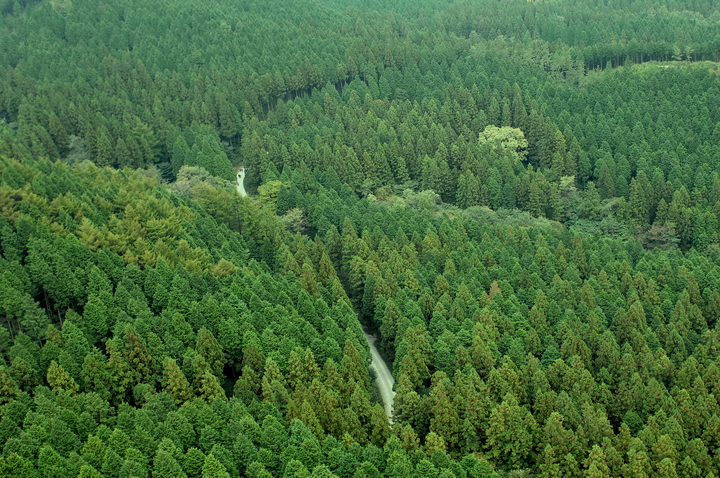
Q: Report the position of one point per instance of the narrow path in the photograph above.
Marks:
(385, 379)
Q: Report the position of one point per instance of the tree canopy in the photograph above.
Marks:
(520, 200)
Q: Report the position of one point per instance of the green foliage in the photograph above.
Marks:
(522, 199)
(512, 305)
(505, 138)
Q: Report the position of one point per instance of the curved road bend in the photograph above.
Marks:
(385, 379)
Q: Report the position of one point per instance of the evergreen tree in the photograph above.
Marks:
(212, 468)
(511, 435)
(211, 351)
(59, 380)
(176, 383)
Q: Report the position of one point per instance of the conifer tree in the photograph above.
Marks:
(445, 422)
(351, 367)
(211, 351)
(212, 468)
(511, 434)
(120, 372)
(209, 388)
(95, 374)
(166, 466)
(176, 383)
(60, 381)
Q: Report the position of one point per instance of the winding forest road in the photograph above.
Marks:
(385, 379)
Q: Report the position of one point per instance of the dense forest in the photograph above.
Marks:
(519, 200)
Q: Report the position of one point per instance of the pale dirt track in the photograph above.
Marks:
(385, 380)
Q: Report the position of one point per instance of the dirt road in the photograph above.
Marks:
(385, 379)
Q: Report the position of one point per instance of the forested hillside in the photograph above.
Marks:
(520, 200)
